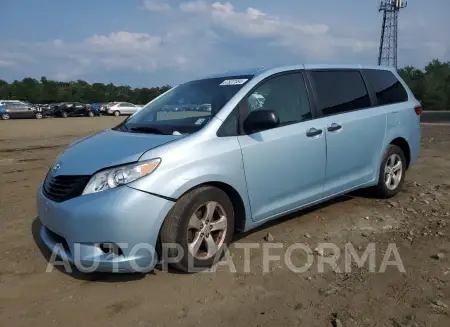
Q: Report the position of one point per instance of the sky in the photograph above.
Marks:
(146, 43)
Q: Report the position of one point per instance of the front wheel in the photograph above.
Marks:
(392, 173)
(38, 115)
(5, 116)
(90, 114)
(201, 224)
(117, 113)
(64, 114)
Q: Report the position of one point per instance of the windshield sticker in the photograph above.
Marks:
(200, 121)
(234, 82)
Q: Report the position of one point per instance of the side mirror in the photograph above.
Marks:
(260, 120)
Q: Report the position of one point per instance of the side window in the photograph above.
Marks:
(340, 91)
(230, 125)
(123, 105)
(286, 95)
(386, 86)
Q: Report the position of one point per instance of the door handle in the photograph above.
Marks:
(334, 127)
(313, 132)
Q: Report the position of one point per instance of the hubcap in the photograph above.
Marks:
(5, 116)
(393, 171)
(207, 230)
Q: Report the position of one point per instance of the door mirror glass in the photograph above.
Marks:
(260, 120)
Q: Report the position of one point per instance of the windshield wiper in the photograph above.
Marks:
(147, 129)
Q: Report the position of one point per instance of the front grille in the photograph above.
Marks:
(63, 188)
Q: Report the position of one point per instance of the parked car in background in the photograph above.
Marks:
(71, 109)
(15, 101)
(96, 106)
(46, 109)
(105, 106)
(123, 108)
(20, 110)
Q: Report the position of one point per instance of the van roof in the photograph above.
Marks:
(259, 70)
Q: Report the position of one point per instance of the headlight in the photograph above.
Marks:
(114, 177)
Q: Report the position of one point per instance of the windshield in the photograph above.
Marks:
(186, 108)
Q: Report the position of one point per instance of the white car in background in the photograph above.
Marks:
(123, 108)
(14, 101)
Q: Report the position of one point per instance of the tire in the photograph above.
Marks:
(381, 190)
(5, 116)
(64, 114)
(116, 113)
(91, 114)
(38, 115)
(178, 229)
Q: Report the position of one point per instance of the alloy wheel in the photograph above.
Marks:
(207, 230)
(393, 171)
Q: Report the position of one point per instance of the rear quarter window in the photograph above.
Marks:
(386, 86)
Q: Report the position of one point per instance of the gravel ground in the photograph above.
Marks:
(417, 221)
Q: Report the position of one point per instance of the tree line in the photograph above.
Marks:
(48, 91)
(431, 85)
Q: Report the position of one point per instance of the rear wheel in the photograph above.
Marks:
(392, 173)
(64, 114)
(90, 114)
(5, 116)
(202, 224)
(117, 113)
(38, 115)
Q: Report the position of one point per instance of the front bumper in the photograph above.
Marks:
(124, 216)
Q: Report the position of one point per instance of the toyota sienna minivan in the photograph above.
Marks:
(190, 179)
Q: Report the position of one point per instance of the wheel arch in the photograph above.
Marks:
(403, 144)
(240, 214)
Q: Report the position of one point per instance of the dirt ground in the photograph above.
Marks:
(417, 221)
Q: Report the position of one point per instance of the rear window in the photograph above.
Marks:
(340, 91)
(386, 86)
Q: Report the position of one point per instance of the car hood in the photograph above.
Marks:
(106, 149)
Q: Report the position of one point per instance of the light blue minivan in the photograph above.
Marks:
(274, 141)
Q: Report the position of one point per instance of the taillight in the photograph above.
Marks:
(418, 110)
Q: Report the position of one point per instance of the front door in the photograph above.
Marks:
(22, 111)
(128, 108)
(284, 166)
(79, 109)
(354, 130)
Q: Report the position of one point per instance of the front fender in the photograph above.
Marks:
(188, 163)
